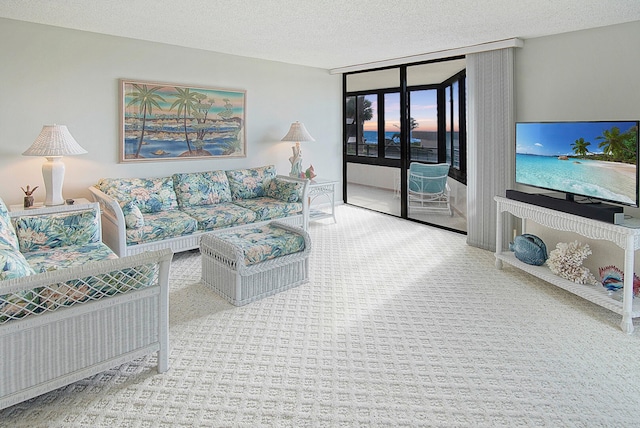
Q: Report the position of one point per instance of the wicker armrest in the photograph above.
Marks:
(113, 222)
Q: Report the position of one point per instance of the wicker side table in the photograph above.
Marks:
(225, 271)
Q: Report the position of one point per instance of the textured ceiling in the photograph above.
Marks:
(324, 33)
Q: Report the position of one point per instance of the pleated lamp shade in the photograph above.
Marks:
(54, 142)
(297, 133)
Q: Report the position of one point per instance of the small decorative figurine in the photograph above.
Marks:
(529, 249)
(28, 199)
(309, 173)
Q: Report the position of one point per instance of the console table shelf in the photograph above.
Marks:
(593, 293)
(626, 238)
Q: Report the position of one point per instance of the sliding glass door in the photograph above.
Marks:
(396, 117)
(372, 133)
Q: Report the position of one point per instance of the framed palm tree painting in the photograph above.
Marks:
(165, 121)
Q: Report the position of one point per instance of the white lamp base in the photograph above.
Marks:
(53, 175)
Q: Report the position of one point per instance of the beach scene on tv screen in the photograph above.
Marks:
(593, 159)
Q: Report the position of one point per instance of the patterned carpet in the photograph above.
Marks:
(401, 325)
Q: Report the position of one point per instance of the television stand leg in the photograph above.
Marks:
(498, 239)
(627, 324)
(627, 291)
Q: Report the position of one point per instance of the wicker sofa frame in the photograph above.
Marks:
(108, 312)
(114, 228)
(45, 351)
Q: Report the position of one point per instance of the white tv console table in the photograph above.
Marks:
(626, 238)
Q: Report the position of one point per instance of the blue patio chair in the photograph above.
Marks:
(428, 188)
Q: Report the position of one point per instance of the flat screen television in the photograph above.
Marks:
(596, 160)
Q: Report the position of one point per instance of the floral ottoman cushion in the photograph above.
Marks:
(266, 242)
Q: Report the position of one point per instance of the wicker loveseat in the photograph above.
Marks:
(69, 307)
(141, 214)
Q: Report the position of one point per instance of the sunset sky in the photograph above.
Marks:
(424, 109)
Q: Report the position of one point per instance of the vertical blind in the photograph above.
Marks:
(490, 147)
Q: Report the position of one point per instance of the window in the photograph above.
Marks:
(350, 126)
(434, 129)
(455, 128)
(373, 125)
(392, 125)
(423, 124)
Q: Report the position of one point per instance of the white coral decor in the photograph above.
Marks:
(566, 262)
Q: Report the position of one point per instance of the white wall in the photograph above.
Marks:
(583, 75)
(52, 75)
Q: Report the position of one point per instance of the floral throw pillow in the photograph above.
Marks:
(250, 183)
(133, 218)
(57, 230)
(13, 265)
(151, 195)
(202, 188)
(283, 190)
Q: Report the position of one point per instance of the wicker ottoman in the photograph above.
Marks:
(248, 264)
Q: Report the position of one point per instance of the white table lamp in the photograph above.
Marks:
(54, 142)
(297, 133)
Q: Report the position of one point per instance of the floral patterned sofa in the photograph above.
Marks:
(69, 307)
(140, 214)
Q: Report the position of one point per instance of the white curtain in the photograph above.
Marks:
(490, 142)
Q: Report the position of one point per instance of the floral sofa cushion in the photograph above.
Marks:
(269, 208)
(45, 232)
(264, 243)
(48, 259)
(151, 195)
(250, 183)
(221, 215)
(201, 188)
(162, 225)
